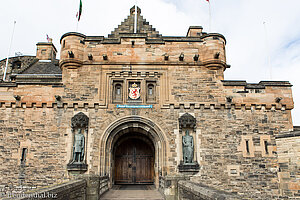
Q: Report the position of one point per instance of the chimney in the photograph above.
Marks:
(194, 31)
(46, 50)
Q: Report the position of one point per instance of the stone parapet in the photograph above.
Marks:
(83, 187)
(75, 189)
(196, 191)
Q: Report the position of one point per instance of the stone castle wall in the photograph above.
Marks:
(220, 148)
(235, 134)
(288, 149)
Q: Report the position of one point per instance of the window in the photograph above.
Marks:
(17, 64)
(117, 91)
(23, 156)
(266, 146)
(151, 91)
(247, 147)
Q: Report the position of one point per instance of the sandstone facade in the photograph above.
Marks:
(239, 136)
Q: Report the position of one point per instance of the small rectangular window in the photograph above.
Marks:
(233, 171)
(247, 146)
(266, 146)
(23, 156)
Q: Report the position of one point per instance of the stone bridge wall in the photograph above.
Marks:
(188, 190)
(83, 188)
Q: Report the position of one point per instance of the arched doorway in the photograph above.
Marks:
(134, 160)
(139, 128)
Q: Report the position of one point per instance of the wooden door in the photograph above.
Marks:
(134, 163)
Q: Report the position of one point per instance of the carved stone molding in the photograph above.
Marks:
(189, 168)
(187, 121)
(80, 120)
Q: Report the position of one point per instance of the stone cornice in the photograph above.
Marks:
(149, 40)
(288, 135)
(260, 85)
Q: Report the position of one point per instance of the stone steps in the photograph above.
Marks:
(132, 194)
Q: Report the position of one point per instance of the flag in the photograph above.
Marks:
(48, 39)
(78, 15)
(207, 1)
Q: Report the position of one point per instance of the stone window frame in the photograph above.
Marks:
(243, 146)
(151, 98)
(43, 51)
(115, 84)
(233, 168)
(263, 140)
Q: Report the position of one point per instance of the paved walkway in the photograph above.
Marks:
(134, 192)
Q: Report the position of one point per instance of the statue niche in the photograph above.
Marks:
(79, 125)
(186, 123)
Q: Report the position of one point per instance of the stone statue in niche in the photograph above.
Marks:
(187, 148)
(79, 125)
(78, 147)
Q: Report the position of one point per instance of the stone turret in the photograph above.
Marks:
(72, 50)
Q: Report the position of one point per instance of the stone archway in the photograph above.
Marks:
(140, 126)
(133, 159)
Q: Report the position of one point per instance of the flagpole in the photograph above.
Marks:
(135, 16)
(11, 39)
(268, 49)
(209, 16)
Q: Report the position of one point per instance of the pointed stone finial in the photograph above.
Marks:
(132, 10)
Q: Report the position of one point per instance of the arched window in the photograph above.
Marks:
(117, 92)
(151, 91)
(118, 89)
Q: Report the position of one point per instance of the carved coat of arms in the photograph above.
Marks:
(134, 92)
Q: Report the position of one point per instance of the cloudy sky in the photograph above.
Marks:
(250, 41)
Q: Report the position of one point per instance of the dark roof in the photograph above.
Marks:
(42, 67)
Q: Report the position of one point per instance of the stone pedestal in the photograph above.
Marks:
(189, 167)
(77, 168)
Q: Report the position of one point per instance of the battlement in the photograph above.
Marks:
(146, 47)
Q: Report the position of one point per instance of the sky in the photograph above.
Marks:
(263, 36)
